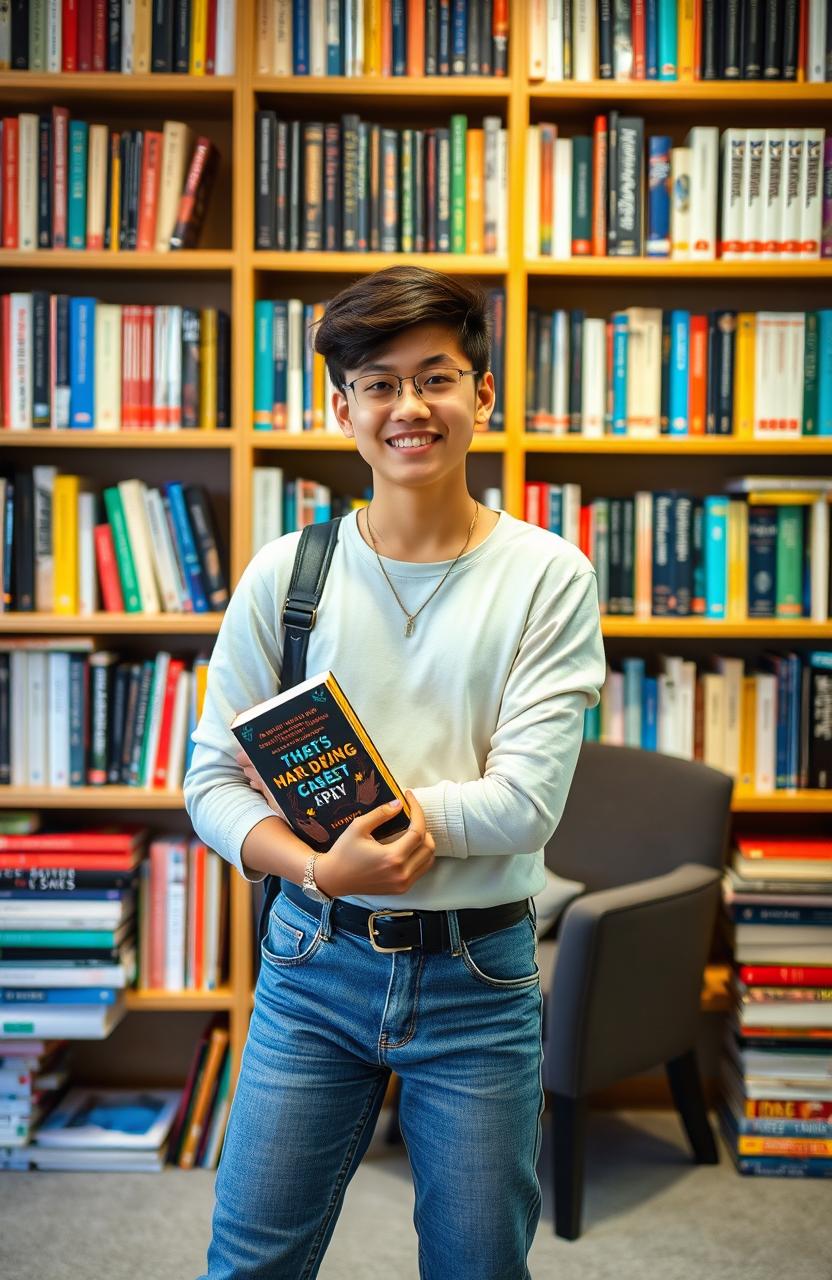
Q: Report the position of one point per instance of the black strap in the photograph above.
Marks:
(299, 614)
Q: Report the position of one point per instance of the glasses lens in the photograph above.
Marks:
(435, 384)
(377, 389)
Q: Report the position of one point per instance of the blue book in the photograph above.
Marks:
(651, 39)
(280, 351)
(683, 556)
(762, 561)
(715, 539)
(82, 363)
(334, 39)
(62, 895)
(795, 670)
(263, 364)
(776, 663)
(668, 40)
(289, 507)
(620, 340)
(592, 724)
(78, 725)
(399, 23)
(650, 714)
(633, 669)
(459, 37)
(308, 367)
(186, 547)
(679, 373)
(57, 995)
(556, 509)
(443, 57)
(300, 36)
(76, 207)
(756, 914)
(323, 506)
(824, 373)
(658, 196)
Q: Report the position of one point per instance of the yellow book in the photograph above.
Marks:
(201, 678)
(685, 42)
(199, 36)
(782, 498)
(65, 542)
(115, 191)
(208, 370)
(372, 37)
(474, 200)
(142, 36)
(737, 601)
(318, 378)
(744, 376)
(748, 734)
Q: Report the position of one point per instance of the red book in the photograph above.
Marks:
(197, 858)
(198, 183)
(175, 667)
(415, 37)
(211, 39)
(599, 187)
(788, 1109)
(698, 374)
(819, 847)
(123, 839)
(548, 136)
(387, 40)
(803, 41)
(499, 29)
(10, 182)
(6, 361)
(149, 190)
(130, 402)
(86, 17)
(537, 503)
(99, 35)
(158, 887)
(60, 144)
(145, 367)
(69, 35)
(105, 557)
(585, 530)
(77, 861)
(785, 975)
(639, 41)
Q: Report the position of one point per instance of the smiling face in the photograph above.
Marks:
(416, 439)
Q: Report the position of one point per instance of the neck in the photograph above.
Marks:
(418, 526)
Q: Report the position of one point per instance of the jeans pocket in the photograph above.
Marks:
(293, 936)
(505, 959)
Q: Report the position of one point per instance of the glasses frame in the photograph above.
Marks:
(411, 377)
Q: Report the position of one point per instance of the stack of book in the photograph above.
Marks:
(104, 1130)
(777, 1107)
(763, 199)
(412, 38)
(292, 387)
(679, 40)
(68, 184)
(646, 373)
(359, 187)
(199, 1128)
(33, 1074)
(183, 914)
(761, 551)
(88, 365)
(73, 716)
(770, 729)
(135, 548)
(67, 931)
(186, 37)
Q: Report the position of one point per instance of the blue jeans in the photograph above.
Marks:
(332, 1018)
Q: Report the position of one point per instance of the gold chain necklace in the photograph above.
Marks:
(411, 617)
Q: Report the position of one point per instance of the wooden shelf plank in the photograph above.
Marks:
(146, 1000)
(699, 628)
(109, 797)
(125, 624)
(797, 801)
(407, 88)
(681, 94)
(673, 269)
(193, 260)
(329, 442)
(483, 264)
(17, 85)
(185, 439)
(707, 445)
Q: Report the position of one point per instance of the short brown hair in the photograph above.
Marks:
(371, 312)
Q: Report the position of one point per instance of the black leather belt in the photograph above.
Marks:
(393, 930)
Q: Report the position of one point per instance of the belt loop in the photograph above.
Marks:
(453, 930)
(533, 910)
(326, 911)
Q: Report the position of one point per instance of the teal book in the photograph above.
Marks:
(668, 40)
(715, 539)
(789, 575)
(810, 375)
(824, 373)
(71, 939)
(263, 364)
(77, 185)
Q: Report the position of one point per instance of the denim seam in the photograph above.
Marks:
(387, 1044)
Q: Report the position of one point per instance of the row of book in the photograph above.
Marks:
(770, 728)
(357, 186)
(170, 35)
(74, 716)
(643, 373)
(292, 388)
(183, 916)
(682, 40)
(71, 184)
(133, 548)
(776, 1107)
(80, 363)
(33, 1076)
(760, 550)
(749, 194)
(411, 38)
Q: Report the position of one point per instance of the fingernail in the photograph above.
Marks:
(395, 804)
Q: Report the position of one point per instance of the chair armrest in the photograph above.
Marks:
(627, 981)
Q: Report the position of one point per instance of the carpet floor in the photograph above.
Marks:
(649, 1214)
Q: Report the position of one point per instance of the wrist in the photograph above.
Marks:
(326, 881)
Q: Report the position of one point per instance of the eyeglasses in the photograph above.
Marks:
(379, 390)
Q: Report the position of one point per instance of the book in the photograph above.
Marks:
(122, 1119)
(318, 761)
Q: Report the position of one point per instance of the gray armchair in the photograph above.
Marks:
(646, 833)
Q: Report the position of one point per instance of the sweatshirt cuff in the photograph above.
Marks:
(236, 832)
(442, 808)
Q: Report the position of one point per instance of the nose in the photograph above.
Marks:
(409, 404)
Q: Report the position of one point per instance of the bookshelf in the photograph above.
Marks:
(227, 270)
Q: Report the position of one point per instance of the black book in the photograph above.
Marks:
(350, 125)
(713, 374)
(443, 39)
(190, 403)
(5, 724)
(726, 324)
(615, 556)
(605, 35)
(125, 150)
(730, 59)
(20, 35)
(828, 50)
(114, 35)
(486, 39)
(612, 185)
(63, 956)
(710, 32)
(472, 49)
(313, 186)
(281, 185)
(8, 559)
(430, 191)
(576, 355)
(61, 389)
(140, 725)
(820, 725)
(78, 719)
(41, 389)
(332, 187)
(207, 545)
(295, 184)
(161, 50)
(265, 203)
(667, 344)
(374, 188)
(443, 190)
(431, 37)
(363, 187)
(45, 182)
(532, 348)
(682, 554)
(773, 40)
(791, 27)
(56, 882)
(419, 191)
(134, 188)
(182, 36)
(752, 39)
(628, 546)
(102, 668)
(389, 191)
(23, 588)
(663, 603)
(630, 182)
(131, 710)
(223, 370)
(118, 717)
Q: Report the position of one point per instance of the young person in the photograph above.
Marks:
(469, 644)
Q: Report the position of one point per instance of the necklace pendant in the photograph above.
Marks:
(408, 631)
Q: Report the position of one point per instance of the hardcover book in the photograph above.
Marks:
(318, 761)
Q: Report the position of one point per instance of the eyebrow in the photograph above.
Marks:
(441, 358)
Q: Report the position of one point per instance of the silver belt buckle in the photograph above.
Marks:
(371, 929)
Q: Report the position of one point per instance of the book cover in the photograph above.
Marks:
(318, 761)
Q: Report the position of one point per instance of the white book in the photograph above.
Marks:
(753, 203)
(294, 367)
(714, 718)
(20, 321)
(58, 735)
(54, 11)
(819, 560)
(703, 141)
(154, 715)
(571, 509)
(774, 192)
(554, 40)
(282, 62)
(173, 387)
(492, 195)
(593, 377)
(36, 716)
(128, 35)
(175, 914)
(57, 915)
(107, 366)
(531, 210)
(317, 37)
(792, 198)
(135, 517)
(765, 732)
(732, 671)
(19, 717)
(330, 420)
(267, 506)
(643, 567)
(733, 145)
(492, 496)
(794, 338)
(644, 356)
(560, 373)
(584, 40)
(98, 144)
(502, 208)
(163, 553)
(265, 34)
(687, 708)
(668, 714)
(816, 58)
(105, 975)
(811, 192)
(5, 35)
(61, 1022)
(680, 162)
(87, 571)
(27, 180)
(179, 731)
(562, 203)
(612, 709)
(160, 364)
(43, 479)
(226, 38)
(211, 933)
(177, 146)
(537, 20)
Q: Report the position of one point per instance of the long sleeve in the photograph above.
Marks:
(558, 672)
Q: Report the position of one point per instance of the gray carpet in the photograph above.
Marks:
(648, 1214)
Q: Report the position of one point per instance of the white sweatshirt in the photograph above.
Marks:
(480, 712)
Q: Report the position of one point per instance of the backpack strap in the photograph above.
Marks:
(298, 616)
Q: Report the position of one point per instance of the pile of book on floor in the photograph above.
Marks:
(67, 929)
(33, 1074)
(777, 1105)
(102, 1130)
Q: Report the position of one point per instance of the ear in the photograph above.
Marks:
(341, 407)
(486, 397)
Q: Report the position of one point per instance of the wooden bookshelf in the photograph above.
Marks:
(237, 273)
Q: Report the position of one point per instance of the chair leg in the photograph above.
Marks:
(393, 1134)
(689, 1100)
(568, 1128)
